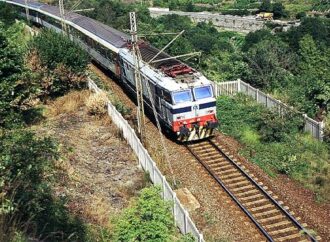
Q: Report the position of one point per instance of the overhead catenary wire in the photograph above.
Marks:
(139, 91)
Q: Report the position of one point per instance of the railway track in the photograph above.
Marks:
(274, 220)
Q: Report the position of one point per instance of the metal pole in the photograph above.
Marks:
(137, 76)
(27, 12)
(62, 15)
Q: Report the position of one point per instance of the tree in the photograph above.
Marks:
(11, 67)
(279, 10)
(190, 7)
(318, 28)
(270, 62)
(7, 13)
(314, 72)
(148, 219)
(265, 6)
(255, 37)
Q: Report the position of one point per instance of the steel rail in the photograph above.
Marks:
(264, 192)
(279, 206)
(263, 231)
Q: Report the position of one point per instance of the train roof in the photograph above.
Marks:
(112, 36)
(172, 68)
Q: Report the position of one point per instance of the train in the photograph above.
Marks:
(184, 98)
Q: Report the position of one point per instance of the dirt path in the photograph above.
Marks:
(98, 172)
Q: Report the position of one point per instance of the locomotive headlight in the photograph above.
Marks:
(210, 111)
(180, 117)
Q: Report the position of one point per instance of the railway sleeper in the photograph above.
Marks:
(237, 174)
(232, 170)
(271, 219)
(290, 237)
(243, 194)
(214, 165)
(247, 198)
(284, 232)
(279, 224)
(260, 201)
(225, 167)
(266, 213)
(240, 178)
(209, 155)
(235, 181)
(203, 149)
(242, 188)
(220, 161)
(260, 208)
(234, 184)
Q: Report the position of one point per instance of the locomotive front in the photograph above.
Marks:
(193, 108)
(197, 119)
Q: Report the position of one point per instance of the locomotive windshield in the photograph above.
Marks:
(182, 96)
(202, 92)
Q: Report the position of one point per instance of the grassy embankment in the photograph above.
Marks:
(276, 144)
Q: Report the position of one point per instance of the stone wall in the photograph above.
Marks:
(228, 22)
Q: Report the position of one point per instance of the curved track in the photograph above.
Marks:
(272, 219)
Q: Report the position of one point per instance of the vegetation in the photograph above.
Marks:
(275, 143)
(96, 104)
(30, 72)
(147, 219)
(26, 161)
(63, 62)
(282, 63)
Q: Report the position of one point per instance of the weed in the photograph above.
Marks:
(97, 103)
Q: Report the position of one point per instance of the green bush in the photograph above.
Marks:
(66, 62)
(8, 13)
(55, 49)
(149, 218)
(301, 15)
(273, 128)
(25, 161)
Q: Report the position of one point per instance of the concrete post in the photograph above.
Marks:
(321, 130)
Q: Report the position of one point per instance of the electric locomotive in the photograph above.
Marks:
(183, 97)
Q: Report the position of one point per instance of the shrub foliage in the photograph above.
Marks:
(149, 218)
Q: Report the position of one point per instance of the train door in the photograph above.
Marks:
(159, 102)
(167, 99)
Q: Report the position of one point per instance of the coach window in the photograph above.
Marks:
(33, 13)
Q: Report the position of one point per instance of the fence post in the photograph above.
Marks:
(321, 130)
(174, 206)
(239, 85)
(201, 238)
(305, 121)
(216, 89)
(257, 95)
(163, 186)
(185, 222)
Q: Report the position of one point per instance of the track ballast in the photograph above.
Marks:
(269, 216)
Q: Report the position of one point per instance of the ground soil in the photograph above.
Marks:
(97, 172)
(219, 218)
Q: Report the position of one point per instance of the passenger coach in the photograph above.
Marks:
(184, 98)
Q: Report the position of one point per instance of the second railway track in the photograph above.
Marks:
(274, 221)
